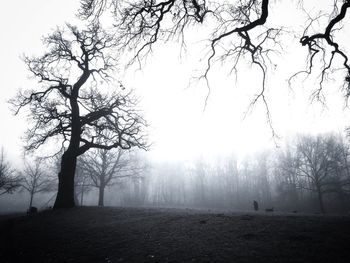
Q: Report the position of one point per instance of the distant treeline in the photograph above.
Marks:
(309, 173)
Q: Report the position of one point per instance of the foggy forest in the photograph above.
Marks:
(175, 131)
(308, 174)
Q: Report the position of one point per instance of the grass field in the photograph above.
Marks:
(93, 234)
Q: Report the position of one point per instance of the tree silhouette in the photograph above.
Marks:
(242, 31)
(75, 101)
(319, 163)
(35, 179)
(105, 167)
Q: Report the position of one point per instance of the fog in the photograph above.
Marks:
(208, 148)
(282, 179)
(174, 131)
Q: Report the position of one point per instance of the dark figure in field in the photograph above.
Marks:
(256, 205)
(269, 209)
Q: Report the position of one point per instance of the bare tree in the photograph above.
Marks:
(82, 183)
(9, 182)
(200, 173)
(338, 182)
(263, 180)
(76, 103)
(242, 31)
(344, 166)
(318, 164)
(104, 167)
(324, 44)
(35, 179)
(286, 175)
(140, 24)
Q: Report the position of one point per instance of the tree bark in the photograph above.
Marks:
(65, 194)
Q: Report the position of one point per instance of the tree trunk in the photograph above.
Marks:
(31, 199)
(76, 200)
(320, 199)
(65, 194)
(82, 193)
(101, 195)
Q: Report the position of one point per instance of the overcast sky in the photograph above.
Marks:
(180, 126)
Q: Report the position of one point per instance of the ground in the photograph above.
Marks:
(93, 234)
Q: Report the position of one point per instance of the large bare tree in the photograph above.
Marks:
(75, 101)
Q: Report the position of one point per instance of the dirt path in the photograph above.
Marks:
(92, 234)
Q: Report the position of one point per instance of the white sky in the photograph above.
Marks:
(180, 129)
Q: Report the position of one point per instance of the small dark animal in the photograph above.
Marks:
(269, 209)
(295, 211)
(256, 205)
(32, 210)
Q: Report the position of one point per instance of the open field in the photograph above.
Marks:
(92, 234)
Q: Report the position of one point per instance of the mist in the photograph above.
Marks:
(280, 178)
(182, 131)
